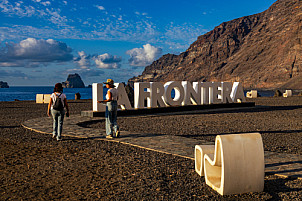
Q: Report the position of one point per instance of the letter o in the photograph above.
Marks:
(179, 93)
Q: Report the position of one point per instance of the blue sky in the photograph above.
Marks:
(42, 41)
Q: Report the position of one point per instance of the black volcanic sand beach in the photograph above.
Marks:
(35, 167)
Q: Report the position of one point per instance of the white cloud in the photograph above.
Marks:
(57, 21)
(104, 61)
(100, 7)
(46, 3)
(17, 9)
(143, 56)
(83, 60)
(174, 35)
(107, 61)
(32, 52)
(55, 17)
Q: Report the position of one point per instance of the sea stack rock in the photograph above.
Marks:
(73, 81)
(3, 85)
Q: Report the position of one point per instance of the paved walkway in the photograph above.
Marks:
(280, 164)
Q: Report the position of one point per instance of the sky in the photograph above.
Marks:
(42, 41)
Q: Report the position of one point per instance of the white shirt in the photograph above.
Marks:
(114, 94)
(54, 96)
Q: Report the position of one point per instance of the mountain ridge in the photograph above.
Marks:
(261, 51)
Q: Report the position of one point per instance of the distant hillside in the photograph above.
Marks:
(261, 51)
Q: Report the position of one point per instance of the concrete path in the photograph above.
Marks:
(280, 164)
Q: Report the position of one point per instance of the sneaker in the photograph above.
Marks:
(117, 134)
(109, 137)
(54, 136)
(59, 139)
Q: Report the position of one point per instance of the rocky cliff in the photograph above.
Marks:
(73, 81)
(261, 51)
(3, 85)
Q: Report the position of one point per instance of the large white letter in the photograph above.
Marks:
(97, 95)
(214, 92)
(157, 92)
(192, 93)
(140, 94)
(226, 92)
(179, 93)
(237, 92)
(123, 99)
(204, 92)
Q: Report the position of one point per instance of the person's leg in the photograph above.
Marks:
(54, 115)
(108, 116)
(60, 124)
(114, 119)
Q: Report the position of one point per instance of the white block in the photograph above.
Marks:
(252, 94)
(288, 93)
(40, 98)
(46, 98)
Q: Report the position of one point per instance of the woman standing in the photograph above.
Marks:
(111, 110)
(56, 107)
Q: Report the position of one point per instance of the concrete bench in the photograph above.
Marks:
(234, 165)
(252, 94)
(288, 93)
(43, 98)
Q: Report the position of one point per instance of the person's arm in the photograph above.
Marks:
(67, 108)
(109, 98)
(49, 107)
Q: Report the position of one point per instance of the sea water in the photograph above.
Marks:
(29, 93)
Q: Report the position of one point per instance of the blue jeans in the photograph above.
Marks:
(58, 118)
(111, 117)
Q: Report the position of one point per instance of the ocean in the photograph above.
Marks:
(29, 93)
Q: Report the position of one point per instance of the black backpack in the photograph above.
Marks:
(58, 105)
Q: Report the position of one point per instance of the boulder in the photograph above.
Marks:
(77, 96)
(73, 81)
(3, 85)
(277, 93)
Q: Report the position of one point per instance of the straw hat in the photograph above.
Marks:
(110, 82)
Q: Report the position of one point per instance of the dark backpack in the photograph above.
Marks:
(58, 105)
